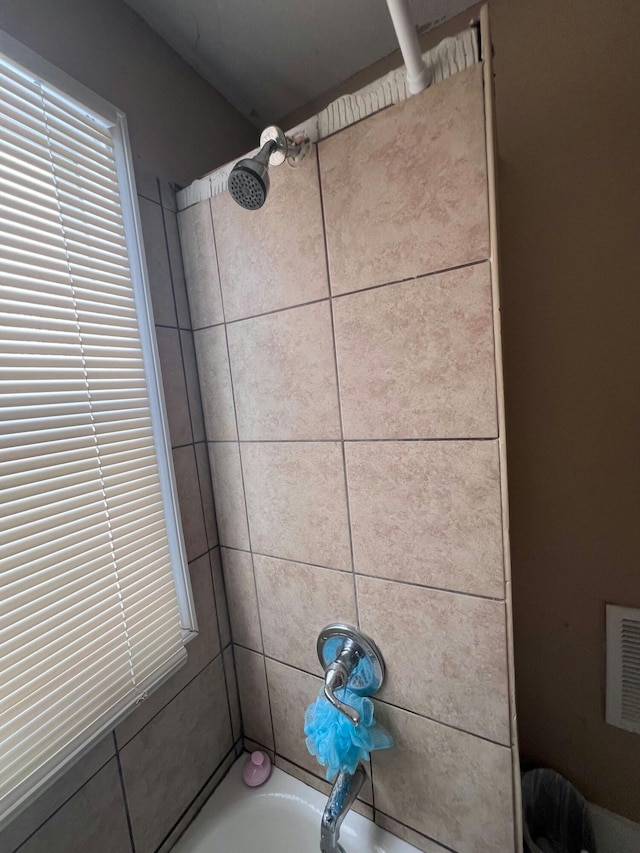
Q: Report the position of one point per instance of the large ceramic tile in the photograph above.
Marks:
(220, 596)
(206, 493)
(195, 806)
(193, 385)
(200, 265)
(215, 384)
(201, 650)
(291, 692)
(416, 360)
(428, 513)
(193, 528)
(241, 597)
(157, 257)
(177, 270)
(296, 502)
(254, 696)
(226, 475)
(296, 602)
(93, 819)
(169, 761)
(31, 818)
(449, 785)
(445, 654)
(174, 384)
(274, 257)
(405, 192)
(284, 375)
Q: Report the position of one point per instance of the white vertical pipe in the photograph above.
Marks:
(418, 77)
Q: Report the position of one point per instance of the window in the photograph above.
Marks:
(95, 604)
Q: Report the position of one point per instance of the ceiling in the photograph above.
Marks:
(268, 57)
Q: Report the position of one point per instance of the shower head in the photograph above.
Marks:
(249, 179)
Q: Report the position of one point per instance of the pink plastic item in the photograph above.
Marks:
(257, 769)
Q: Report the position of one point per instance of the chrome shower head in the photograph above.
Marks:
(249, 179)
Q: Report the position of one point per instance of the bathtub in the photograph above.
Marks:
(282, 816)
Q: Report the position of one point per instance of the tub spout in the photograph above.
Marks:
(343, 795)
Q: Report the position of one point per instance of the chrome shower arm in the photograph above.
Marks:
(266, 151)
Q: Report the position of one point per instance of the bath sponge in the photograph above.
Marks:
(335, 741)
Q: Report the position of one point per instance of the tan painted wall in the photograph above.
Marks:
(180, 127)
(568, 117)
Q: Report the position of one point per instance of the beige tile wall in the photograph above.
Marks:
(346, 355)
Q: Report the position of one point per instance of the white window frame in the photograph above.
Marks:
(35, 65)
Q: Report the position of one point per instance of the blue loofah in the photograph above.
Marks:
(335, 741)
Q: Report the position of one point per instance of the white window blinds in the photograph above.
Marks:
(89, 610)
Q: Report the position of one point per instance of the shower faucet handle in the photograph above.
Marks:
(349, 659)
(336, 677)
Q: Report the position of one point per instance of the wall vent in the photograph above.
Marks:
(623, 667)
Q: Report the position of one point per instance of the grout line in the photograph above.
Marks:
(235, 673)
(146, 197)
(219, 631)
(196, 443)
(168, 253)
(182, 446)
(353, 440)
(176, 328)
(320, 777)
(244, 491)
(278, 310)
(169, 701)
(418, 277)
(186, 285)
(180, 261)
(337, 377)
(195, 455)
(258, 743)
(389, 704)
(204, 553)
(443, 723)
(417, 832)
(192, 444)
(499, 599)
(286, 559)
(209, 326)
(226, 341)
(346, 293)
(217, 532)
(124, 793)
(306, 769)
(232, 750)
